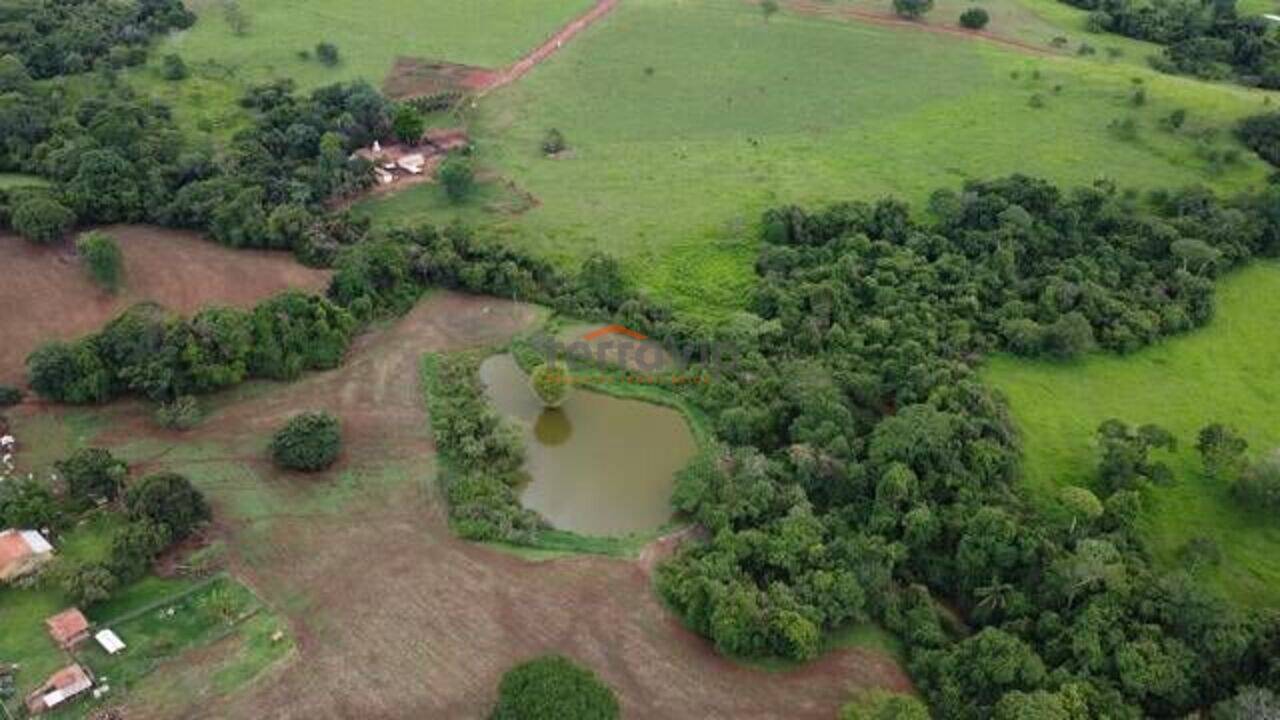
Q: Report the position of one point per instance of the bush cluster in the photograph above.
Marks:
(553, 688)
(308, 442)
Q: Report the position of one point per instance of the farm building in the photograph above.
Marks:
(68, 628)
(394, 161)
(62, 686)
(22, 552)
(109, 641)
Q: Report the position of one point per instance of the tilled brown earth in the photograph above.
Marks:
(396, 618)
(46, 294)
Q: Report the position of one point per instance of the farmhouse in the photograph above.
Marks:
(394, 162)
(22, 552)
(62, 686)
(68, 628)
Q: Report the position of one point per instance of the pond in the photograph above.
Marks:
(597, 465)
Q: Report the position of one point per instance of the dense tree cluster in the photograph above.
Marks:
(866, 472)
(483, 451)
(65, 37)
(151, 352)
(1205, 39)
(117, 157)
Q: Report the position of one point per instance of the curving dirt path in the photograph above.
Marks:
(813, 7)
(397, 618)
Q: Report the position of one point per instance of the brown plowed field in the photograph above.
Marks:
(397, 618)
(46, 294)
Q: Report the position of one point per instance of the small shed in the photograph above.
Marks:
(109, 641)
(68, 628)
(62, 686)
(22, 552)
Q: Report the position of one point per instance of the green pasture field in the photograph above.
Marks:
(369, 36)
(1228, 371)
(686, 119)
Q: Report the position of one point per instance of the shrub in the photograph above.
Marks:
(92, 475)
(553, 688)
(40, 218)
(884, 705)
(551, 383)
(553, 142)
(9, 395)
(912, 9)
(408, 124)
(1261, 133)
(327, 53)
(173, 68)
(102, 258)
(308, 442)
(975, 18)
(181, 413)
(69, 372)
(167, 499)
(1259, 485)
(458, 177)
(84, 583)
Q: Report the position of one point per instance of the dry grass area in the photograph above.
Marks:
(46, 294)
(394, 616)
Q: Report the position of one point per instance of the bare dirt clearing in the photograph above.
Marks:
(47, 295)
(394, 616)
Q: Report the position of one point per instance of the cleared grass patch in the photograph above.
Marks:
(1229, 371)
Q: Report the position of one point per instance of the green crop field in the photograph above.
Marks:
(685, 119)
(1228, 372)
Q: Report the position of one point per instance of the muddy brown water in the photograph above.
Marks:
(597, 465)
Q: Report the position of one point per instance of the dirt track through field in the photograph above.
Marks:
(811, 7)
(519, 68)
(46, 294)
(397, 618)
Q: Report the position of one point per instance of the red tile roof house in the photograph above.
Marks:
(22, 552)
(68, 628)
(62, 686)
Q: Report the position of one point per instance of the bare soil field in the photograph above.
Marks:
(397, 618)
(46, 294)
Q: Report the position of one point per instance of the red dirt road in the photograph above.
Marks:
(397, 618)
(46, 294)
(519, 68)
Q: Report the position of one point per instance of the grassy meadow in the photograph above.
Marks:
(686, 119)
(1228, 371)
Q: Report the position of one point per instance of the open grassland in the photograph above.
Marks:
(686, 119)
(1228, 372)
(369, 35)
